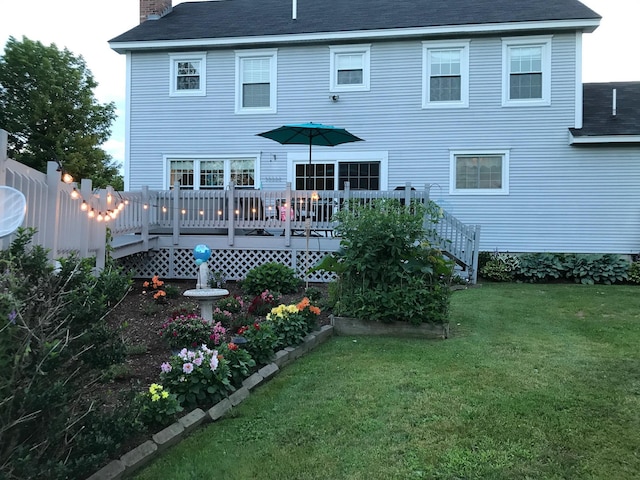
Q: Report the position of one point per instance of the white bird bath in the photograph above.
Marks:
(205, 295)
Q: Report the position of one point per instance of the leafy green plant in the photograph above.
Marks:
(262, 304)
(270, 276)
(105, 346)
(261, 341)
(217, 279)
(172, 291)
(188, 329)
(197, 377)
(634, 272)
(239, 360)
(231, 304)
(386, 269)
(290, 326)
(312, 293)
(596, 268)
(502, 267)
(158, 407)
(540, 267)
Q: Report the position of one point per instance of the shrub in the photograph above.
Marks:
(190, 330)
(634, 272)
(105, 346)
(197, 377)
(386, 269)
(540, 267)
(231, 304)
(596, 268)
(271, 276)
(217, 279)
(261, 341)
(501, 268)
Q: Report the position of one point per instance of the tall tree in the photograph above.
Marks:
(48, 107)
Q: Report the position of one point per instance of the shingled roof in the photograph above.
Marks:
(599, 119)
(259, 18)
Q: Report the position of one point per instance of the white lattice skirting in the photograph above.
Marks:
(178, 263)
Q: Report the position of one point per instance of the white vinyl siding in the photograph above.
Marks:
(350, 68)
(256, 81)
(445, 81)
(526, 71)
(188, 74)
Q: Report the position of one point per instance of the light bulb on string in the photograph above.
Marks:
(66, 178)
(74, 193)
(109, 198)
(85, 206)
(99, 218)
(121, 206)
(92, 213)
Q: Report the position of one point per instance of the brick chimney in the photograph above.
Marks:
(154, 9)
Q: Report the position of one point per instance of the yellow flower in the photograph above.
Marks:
(155, 397)
(154, 388)
(165, 394)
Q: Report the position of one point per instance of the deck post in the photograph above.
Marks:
(52, 217)
(4, 149)
(101, 232)
(288, 207)
(144, 216)
(86, 227)
(176, 213)
(231, 218)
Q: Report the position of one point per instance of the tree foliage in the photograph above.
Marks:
(48, 107)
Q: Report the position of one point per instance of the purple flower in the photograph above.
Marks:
(214, 361)
(165, 367)
(12, 317)
(187, 367)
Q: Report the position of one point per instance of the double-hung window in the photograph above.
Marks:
(349, 68)
(479, 172)
(526, 71)
(256, 81)
(212, 173)
(188, 74)
(445, 81)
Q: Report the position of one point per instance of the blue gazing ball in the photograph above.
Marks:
(202, 253)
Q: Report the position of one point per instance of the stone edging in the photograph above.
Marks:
(131, 461)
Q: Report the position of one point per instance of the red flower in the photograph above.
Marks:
(256, 325)
(175, 334)
(233, 346)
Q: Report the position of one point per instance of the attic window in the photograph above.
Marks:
(188, 74)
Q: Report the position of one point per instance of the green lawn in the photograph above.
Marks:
(537, 382)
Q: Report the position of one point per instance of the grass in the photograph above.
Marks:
(538, 382)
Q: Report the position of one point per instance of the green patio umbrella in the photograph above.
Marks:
(310, 134)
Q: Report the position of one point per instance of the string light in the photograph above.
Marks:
(92, 213)
(75, 194)
(99, 218)
(85, 206)
(66, 178)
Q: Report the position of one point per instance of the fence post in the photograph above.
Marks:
(100, 230)
(4, 148)
(52, 215)
(145, 218)
(87, 224)
(231, 218)
(176, 213)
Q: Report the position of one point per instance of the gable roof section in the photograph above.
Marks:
(255, 21)
(599, 123)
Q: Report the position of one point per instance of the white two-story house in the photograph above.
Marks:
(480, 100)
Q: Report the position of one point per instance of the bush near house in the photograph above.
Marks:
(386, 269)
(547, 267)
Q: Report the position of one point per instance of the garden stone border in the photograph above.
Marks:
(133, 460)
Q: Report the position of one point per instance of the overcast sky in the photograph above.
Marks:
(85, 27)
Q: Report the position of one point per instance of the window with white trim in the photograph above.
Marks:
(479, 172)
(526, 71)
(445, 80)
(256, 81)
(188, 74)
(349, 68)
(212, 173)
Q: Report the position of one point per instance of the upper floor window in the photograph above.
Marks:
(526, 71)
(350, 68)
(446, 74)
(188, 74)
(479, 172)
(212, 173)
(256, 75)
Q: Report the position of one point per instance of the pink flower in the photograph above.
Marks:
(187, 367)
(214, 361)
(197, 361)
(165, 367)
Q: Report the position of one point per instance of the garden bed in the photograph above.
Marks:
(356, 326)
